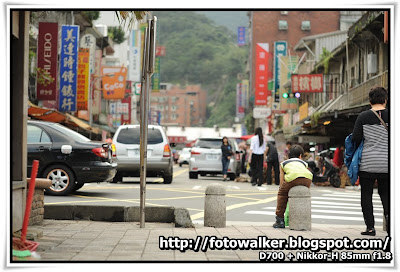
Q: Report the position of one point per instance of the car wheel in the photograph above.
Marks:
(193, 175)
(117, 178)
(168, 179)
(62, 179)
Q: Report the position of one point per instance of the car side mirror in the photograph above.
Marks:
(66, 149)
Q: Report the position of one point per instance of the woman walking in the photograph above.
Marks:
(371, 125)
(257, 156)
(226, 156)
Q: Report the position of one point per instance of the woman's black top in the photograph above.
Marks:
(226, 151)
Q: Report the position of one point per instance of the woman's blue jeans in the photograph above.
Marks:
(225, 165)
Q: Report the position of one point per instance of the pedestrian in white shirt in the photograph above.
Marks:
(257, 157)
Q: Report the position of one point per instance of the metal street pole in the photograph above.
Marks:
(147, 72)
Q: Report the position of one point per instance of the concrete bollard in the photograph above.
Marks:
(300, 208)
(215, 206)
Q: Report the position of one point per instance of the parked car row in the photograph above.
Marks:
(70, 159)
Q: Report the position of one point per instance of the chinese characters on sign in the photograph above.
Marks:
(307, 83)
(280, 50)
(83, 79)
(241, 38)
(68, 67)
(261, 86)
(46, 85)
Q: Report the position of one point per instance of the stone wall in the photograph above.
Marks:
(37, 209)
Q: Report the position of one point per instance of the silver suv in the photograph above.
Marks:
(206, 158)
(127, 153)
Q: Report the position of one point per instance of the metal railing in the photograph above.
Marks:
(358, 95)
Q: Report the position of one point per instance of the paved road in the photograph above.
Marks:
(244, 202)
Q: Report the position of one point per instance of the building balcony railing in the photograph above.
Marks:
(358, 95)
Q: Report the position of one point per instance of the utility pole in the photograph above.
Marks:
(149, 52)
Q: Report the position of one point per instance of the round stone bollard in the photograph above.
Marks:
(215, 206)
(300, 208)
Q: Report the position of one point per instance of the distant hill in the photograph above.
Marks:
(200, 51)
(230, 19)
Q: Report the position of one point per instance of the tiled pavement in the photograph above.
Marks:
(77, 241)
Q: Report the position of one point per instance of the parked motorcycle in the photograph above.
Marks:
(329, 171)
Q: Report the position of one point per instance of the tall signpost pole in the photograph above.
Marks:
(147, 72)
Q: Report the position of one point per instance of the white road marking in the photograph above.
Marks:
(358, 208)
(316, 216)
(341, 199)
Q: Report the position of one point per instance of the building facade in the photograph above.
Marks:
(179, 106)
(291, 26)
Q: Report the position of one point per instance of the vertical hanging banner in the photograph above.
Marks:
(114, 82)
(95, 83)
(241, 36)
(82, 87)
(261, 86)
(155, 79)
(245, 93)
(89, 41)
(134, 56)
(46, 83)
(68, 67)
(239, 101)
(280, 49)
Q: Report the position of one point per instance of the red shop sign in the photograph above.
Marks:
(313, 83)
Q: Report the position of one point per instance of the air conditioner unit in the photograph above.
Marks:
(282, 25)
(284, 12)
(305, 25)
(102, 29)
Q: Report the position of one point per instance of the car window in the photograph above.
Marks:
(208, 143)
(132, 136)
(71, 134)
(37, 135)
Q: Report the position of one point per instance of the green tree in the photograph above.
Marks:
(117, 34)
(325, 57)
(91, 15)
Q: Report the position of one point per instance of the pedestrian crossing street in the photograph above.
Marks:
(334, 206)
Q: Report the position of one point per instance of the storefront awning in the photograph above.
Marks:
(52, 115)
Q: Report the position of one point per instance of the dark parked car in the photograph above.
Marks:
(67, 158)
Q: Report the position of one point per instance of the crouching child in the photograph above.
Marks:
(293, 172)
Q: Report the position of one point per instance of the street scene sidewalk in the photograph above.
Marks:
(77, 241)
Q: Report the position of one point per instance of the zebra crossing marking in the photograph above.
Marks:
(335, 206)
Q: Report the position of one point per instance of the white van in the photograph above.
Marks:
(127, 153)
